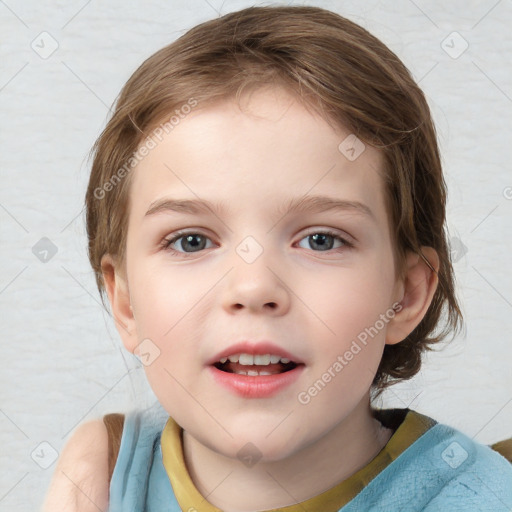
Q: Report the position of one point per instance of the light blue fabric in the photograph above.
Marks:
(443, 471)
(139, 481)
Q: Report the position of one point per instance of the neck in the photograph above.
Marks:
(343, 451)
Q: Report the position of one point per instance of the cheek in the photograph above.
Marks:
(353, 336)
(350, 301)
(166, 305)
(161, 297)
(169, 307)
(349, 340)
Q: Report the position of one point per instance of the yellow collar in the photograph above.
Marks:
(407, 431)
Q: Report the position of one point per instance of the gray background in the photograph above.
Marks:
(62, 359)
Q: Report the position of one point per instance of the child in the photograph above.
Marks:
(266, 213)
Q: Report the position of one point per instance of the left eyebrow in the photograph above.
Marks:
(312, 204)
(306, 204)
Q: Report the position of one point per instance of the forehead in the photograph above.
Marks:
(267, 148)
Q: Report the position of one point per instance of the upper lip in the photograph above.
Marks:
(254, 348)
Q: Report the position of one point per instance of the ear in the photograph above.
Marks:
(119, 297)
(417, 290)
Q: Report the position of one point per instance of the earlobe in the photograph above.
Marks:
(116, 287)
(419, 286)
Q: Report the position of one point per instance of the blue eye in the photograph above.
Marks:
(325, 240)
(194, 241)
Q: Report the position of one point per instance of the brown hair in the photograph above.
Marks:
(331, 65)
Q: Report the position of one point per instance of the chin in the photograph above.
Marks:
(256, 444)
(252, 452)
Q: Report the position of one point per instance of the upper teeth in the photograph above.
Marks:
(249, 359)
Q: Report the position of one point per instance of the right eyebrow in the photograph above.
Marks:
(183, 206)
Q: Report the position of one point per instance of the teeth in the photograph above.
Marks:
(246, 359)
(263, 360)
(252, 373)
(260, 360)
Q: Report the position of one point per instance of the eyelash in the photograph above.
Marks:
(167, 242)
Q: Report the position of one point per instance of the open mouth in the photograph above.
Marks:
(245, 364)
(255, 375)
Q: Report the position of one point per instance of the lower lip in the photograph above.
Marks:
(263, 386)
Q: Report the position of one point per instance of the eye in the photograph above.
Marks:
(192, 242)
(187, 242)
(325, 241)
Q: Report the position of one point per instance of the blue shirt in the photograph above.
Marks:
(441, 470)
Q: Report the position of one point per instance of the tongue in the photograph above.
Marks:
(270, 368)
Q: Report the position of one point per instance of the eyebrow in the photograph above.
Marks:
(306, 204)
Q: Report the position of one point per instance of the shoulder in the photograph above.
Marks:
(476, 476)
(80, 480)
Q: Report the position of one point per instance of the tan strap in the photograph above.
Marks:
(504, 448)
(114, 423)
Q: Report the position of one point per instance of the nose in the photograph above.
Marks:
(257, 287)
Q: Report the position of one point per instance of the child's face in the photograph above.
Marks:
(313, 303)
